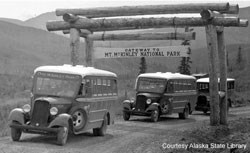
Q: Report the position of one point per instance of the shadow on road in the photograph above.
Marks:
(81, 139)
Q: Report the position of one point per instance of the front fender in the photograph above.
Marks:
(153, 106)
(61, 120)
(126, 105)
(17, 114)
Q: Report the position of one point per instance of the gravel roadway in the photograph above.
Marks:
(137, 135)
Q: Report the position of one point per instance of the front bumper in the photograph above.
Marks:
(34, 129)
(202, 108)
(136, 112)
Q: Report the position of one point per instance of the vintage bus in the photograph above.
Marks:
(67, 99)
(204, 97)
(162, 93)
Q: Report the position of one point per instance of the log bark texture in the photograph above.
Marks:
(74, 46)
(138, 36)
(223, 76)
(142, 23)
(150, 9)
(89, 44)
(211, 36)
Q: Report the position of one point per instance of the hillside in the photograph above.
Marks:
(15, 21)
(23, 48)
(40, 20)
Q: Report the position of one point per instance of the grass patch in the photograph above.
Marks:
(218, 138)
(5, 110)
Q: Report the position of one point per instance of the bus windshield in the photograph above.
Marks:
(56, 86)
(203, 87)
(151, 85)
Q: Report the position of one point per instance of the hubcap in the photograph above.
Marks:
(79, 119)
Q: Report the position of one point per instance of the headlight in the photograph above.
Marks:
(53, 111)
(132, 100)
(26, 108)
(148, 101)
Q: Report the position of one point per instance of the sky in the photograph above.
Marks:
(26, 9)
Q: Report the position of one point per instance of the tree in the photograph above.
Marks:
(239, 60)
(143, 66)
(239, 56)
(185, 67)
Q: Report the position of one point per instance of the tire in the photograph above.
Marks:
(229, 103)
(185, 113)
(80, 119)
(62, 135)
(102, 130)
(15, 133)
(155, 115)
(190, 113)
(126, 116)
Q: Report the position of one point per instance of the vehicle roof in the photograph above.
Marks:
(78, 70)
(206, 80)
(166, 75)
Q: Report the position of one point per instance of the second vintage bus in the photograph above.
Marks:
(162, 93)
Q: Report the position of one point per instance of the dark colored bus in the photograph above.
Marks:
(162, 93)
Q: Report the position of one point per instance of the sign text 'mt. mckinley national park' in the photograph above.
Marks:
(168, 51)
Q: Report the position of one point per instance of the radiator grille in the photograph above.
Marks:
(40, 113)
(141, 103)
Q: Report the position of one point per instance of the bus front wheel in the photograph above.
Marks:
(62, 135)
(155, 115)
(185, 113)
(126, 116)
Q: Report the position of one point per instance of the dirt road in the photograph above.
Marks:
(137, 135)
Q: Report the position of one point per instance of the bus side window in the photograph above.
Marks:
(85, 88)
(109, 91)
(94, 87)
(114, 87)
(99, 87)
(104, 87)
(230, 85)
(170, 87)
(88, 88)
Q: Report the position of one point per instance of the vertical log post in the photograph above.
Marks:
(213, 77)
(74, 46)
(89, 51)
(223, 76)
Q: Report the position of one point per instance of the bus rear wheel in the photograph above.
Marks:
(102, 130)
(185, 113)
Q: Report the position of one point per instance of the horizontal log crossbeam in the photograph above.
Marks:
(150, 10)
(143, 23)
(209, 15)
(137, 36)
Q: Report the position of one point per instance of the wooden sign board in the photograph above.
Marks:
(168, 51)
